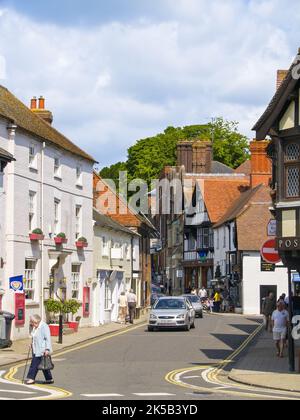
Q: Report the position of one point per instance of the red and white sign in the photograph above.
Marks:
(269, 253)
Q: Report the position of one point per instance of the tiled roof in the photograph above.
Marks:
(244, 168)
(219, 194)
(5, 155)
(108, 222)
(238, 206)
(220, 168)
(18, 113)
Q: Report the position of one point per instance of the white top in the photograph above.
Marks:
(203, 293)
(131, 298)
(123, 301)
(280, 320)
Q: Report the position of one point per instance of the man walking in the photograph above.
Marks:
(280, 322)
(269, 306)
(203, 294)
(132, 301)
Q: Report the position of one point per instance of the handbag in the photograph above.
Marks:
(46, 363)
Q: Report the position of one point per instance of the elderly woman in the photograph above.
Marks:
(41, 346)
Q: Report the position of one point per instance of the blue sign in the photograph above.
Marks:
(296, 278)
(16, 284)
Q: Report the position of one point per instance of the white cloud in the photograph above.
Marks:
(111, 84)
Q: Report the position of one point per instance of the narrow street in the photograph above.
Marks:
(166, 365)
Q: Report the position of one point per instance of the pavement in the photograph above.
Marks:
(19, 351)
(260, 367)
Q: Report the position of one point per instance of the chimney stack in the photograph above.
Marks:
(281, 75)
(40, 110)
(261, 166)
(185, 155)
(202, 157)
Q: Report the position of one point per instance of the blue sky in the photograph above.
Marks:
(114, 71)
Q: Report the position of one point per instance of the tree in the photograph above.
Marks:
(148, 157)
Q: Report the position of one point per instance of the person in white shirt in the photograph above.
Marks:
(280, 322)
(132, 301)
(203, 294)
(123, 305)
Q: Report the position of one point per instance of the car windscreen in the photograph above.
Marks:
(194, 299)
(170, 304)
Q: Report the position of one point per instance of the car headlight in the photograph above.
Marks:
(180, 316)
(153, 316)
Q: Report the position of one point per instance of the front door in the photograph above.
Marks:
(264, 292)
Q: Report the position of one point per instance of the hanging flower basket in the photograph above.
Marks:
(36, 235)
(60, 239)
(82, 243)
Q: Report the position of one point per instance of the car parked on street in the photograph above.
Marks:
(196, 303)
(172, 312)
(155, 296)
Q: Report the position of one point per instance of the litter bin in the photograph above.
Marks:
(6, 319)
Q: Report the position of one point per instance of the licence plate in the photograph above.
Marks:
(167, 322)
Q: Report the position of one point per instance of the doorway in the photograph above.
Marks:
(264, 292)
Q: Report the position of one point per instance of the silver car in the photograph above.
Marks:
(196, 303)
(172, 312)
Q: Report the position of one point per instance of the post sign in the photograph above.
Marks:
(19, 309)
(272, 228)
(16, 283)
(269, 252)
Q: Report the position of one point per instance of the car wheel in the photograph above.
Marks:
(201, 315)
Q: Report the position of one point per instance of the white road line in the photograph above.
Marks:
(191, 377)
(7, 399)
(153, 394)
(102, 395)
(17, 392)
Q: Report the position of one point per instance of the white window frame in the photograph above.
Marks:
(32, 156)
(32, 211)
(79, 175)
(105, 247)
(78, 221)
(30, 279)
(57, 167)
(57, 216)
(75, 281)
(107, 296)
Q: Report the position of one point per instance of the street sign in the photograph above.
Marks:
(296, 278)
(267, 267)
(269, 252)
(272, 228)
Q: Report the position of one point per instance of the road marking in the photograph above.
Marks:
(212, 374)
(58, 393)
(191, 377)
(155, 394)
(7, 399)
(102, 395)
(17, 392)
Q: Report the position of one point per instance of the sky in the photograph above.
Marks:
(115, 71)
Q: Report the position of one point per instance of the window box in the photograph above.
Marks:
(60, 240)
(81, 244)
(36, 237)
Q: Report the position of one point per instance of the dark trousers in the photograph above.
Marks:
(217, 307)
(33, 370)
(131, 308)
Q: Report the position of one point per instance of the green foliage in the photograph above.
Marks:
(61, 235)
(71, 307)
(148, 157)
(37, 232)
(82, 239)
(53, 306)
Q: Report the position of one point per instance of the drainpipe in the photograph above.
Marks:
(42, 227)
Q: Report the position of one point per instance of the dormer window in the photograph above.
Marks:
(292, 170)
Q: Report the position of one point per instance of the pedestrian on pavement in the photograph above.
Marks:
(194, 292)
(269, 306)
(280, 323)
(123, 307)
(41, 346)
(132, 302)
(217, 301)
(170, 288)
(203, 294)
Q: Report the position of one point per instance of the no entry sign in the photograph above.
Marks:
(269, 253)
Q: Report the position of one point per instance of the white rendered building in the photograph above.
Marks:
(49, 187)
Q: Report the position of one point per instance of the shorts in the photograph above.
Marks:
(280, 335)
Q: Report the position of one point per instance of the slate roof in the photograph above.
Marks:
(5, 155)
(14, 110)
(109, 223)
(220, 168)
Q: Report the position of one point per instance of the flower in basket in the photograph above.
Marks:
(37, 235)
(82, 242)
(61, 238)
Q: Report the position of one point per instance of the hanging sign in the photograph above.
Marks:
(16, 284)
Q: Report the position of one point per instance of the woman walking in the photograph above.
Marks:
(123, 305)
(41, 346)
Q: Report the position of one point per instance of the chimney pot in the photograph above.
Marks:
(33, 103)
(41, 102)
